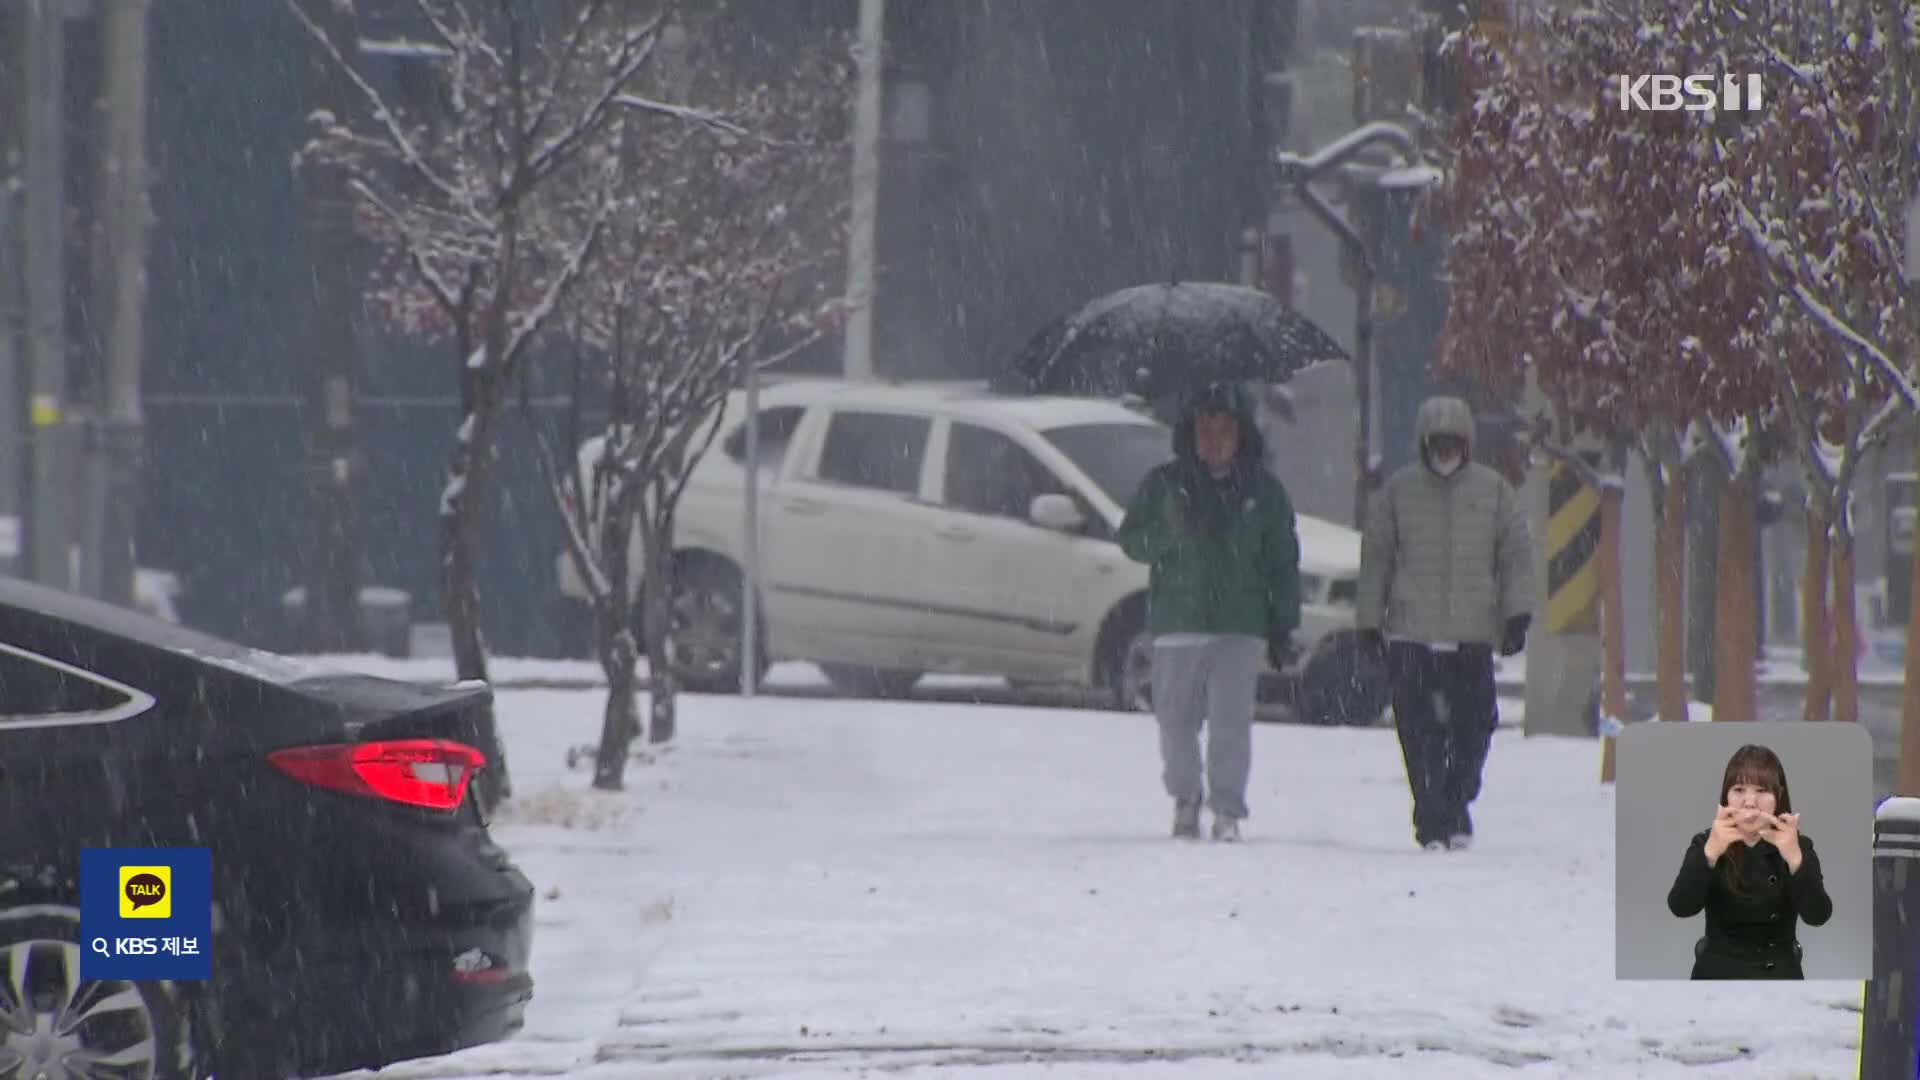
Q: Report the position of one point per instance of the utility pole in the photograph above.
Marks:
(13, 442)
(44, 265)
(331, 621)
(115, 451)
(1298, 172)
(858, 359)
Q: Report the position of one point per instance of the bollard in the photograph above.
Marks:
(1887, 1021)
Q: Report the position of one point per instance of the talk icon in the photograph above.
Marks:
(146, 892)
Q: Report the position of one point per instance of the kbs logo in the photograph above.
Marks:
(1693, 93)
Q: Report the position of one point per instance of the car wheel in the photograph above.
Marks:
(1342, 685)
(708, 627)
(855, 680)
(1128, 668)
(54, 1024)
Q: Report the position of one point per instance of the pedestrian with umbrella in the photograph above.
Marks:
(1218, 531)
(1446, 576)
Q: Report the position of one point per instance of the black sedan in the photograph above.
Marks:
(362, 913)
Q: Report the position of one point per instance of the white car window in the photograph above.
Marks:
(989, 473)
(877, 451)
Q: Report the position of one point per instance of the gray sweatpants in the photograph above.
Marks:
(1210, 681)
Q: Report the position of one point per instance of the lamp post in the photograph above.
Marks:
(857, 361)
(1297, 172)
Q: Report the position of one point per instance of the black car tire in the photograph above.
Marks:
(1342, 684)
(855, 680)
(1126, 662)
(712, 585)
(50, 930)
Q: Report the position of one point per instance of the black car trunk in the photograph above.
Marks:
(354, 708)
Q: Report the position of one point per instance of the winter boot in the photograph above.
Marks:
(1460, 841)
(1434, 845)
(1226, 829)
(1186, 820)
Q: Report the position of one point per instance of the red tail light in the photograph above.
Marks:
(432, 773)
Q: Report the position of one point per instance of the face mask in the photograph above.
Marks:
(1447, 466)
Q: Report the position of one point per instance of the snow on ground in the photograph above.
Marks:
(1781, 667)
(825, 889)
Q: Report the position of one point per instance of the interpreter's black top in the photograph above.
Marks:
(1751, 934)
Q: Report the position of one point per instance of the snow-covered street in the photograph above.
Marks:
(819, 888)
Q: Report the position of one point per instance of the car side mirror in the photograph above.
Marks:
(1056, 512)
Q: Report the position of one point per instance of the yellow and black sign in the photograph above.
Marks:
(146, 892)
(1573, 546)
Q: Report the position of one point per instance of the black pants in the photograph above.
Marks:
(1444, 710)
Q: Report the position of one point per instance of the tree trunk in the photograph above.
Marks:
(1613, 638)
(1670, 576)
(656, 620)
(1816, 640)
(1908, 782)
(618, 725)
(1736, 647)
(468, 475)
(614, 642)
(1843, 667)
(1706, 485)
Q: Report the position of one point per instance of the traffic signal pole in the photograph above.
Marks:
(1297, 173)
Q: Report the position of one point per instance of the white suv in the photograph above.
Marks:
(908, 529)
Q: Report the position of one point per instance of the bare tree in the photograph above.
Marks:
(456, 191)
(726, 217)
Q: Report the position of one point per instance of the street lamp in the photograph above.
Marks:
(1297, 173)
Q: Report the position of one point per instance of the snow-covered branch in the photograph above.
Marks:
(407, 152)
(635, 48)
(688, 113)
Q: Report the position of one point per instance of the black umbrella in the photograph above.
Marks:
(1153, 340)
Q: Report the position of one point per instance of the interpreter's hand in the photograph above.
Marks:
(1725, 833)
(1783, 832)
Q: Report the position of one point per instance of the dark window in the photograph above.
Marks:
(29, 688)
(776, 434)
(882, 451)
(989, 473)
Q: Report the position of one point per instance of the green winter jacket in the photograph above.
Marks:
(1225, 553)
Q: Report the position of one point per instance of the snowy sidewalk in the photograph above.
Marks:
(819, 888)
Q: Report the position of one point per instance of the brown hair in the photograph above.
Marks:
(1759, 767)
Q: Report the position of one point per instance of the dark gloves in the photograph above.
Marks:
(1281, 651)
(1513, 639)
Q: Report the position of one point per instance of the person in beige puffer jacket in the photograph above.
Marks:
(1446, 575)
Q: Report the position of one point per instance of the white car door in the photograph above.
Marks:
(846, 540)
(1019, 596)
